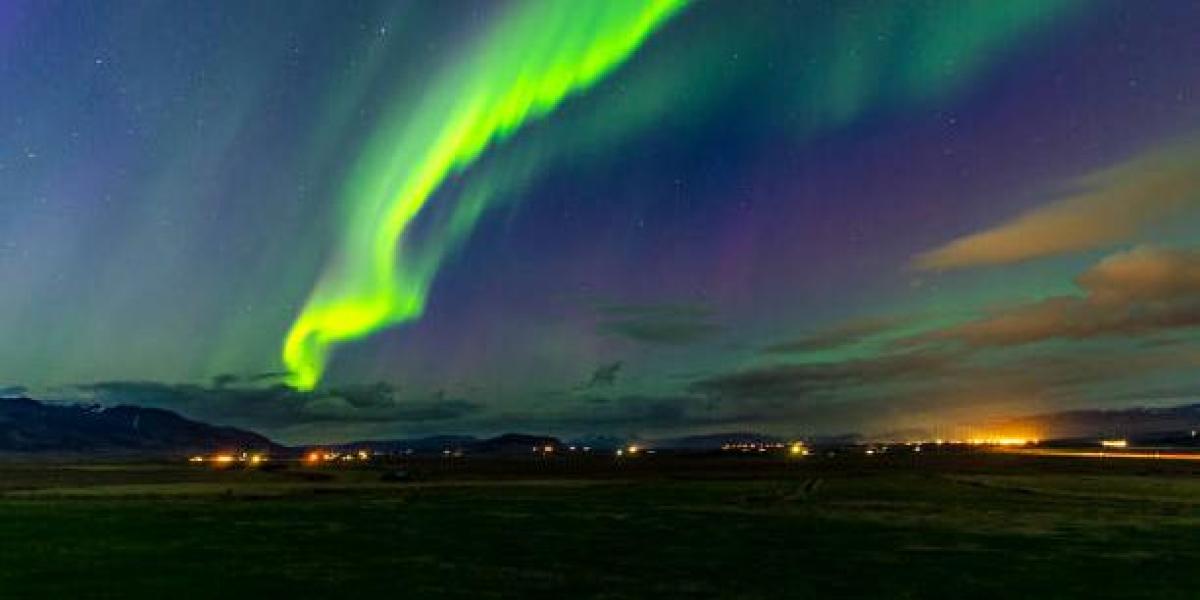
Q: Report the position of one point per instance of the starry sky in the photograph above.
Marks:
(331, 221)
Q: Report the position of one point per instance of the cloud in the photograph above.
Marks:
(227, 379)
(638, 413)
(808, 380)
(847, 334)
(1111, 423)
(934, 389)
(1108, 207)
(277, 406)
(1142, 291)
(665, 324)
(604, 375)
(13, 391)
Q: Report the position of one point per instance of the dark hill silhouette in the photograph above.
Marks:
(1151, 423)
(426, 445)
(27, 425)
(514, 443)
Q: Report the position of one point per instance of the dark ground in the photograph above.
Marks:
(981, 526)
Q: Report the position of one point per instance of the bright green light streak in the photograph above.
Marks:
(538, 55)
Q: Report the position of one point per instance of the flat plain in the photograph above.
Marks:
(974, 525)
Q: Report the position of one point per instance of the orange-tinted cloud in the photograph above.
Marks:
(1109, 207)
(1140, 291)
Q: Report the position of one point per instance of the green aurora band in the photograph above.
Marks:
(543, 51)
(537, 55)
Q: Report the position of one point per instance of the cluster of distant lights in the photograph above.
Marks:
(993, 441)
(251, 459)
(551, 449)
(633, 450)
(792, 448)
(220, 460)
(317, 457)
(800, 449)
(630, 450)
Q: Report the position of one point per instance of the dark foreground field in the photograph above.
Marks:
(951, 527)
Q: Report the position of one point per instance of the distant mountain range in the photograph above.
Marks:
(27, 425)
(30, 426)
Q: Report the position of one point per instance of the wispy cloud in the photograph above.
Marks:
(666, 324)
(809, 380)
(846, 334)
(12, 391)
(277, 406)
(1104, 208)
(939, 385)
(228, 379)
(1142, 291)
(604, 376)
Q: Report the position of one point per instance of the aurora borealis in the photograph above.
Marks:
(339, 221)
(528, 64)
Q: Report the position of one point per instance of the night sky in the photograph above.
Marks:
(330, 220)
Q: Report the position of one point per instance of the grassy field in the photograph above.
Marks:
(950, 527)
